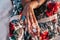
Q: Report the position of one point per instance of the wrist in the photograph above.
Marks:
(34, 4)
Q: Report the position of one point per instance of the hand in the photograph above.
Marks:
(33, 24)
(26, 12)
(31, 19)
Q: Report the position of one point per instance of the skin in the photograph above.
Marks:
(29, 6)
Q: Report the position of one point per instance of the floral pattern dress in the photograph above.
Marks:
(18, 27)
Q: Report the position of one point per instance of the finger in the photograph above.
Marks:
(38, 28)
(35, 26)
(35, 20)
(29, 23)
(31, 19)
(33, 16)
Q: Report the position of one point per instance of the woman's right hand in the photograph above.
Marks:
(31, 19)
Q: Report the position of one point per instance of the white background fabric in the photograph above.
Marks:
(5, 6)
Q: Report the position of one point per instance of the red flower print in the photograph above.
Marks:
(11, 29)
(50, 6)
(52, 9)
(55, 8)
(49, 13)
(11, 25)
(44, 36)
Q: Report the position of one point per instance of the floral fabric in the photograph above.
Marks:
(18, 27)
